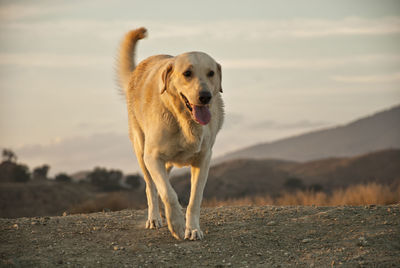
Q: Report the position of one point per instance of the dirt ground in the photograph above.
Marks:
(269, 236)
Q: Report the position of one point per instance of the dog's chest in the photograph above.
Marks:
(187, 149)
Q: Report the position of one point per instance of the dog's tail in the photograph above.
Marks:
(126, 61)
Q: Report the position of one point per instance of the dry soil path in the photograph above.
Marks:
(267, 236)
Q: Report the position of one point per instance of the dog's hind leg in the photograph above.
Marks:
(154, 220)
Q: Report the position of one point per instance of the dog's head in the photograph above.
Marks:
(195, 79)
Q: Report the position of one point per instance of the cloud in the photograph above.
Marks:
(343, 27)
(309, 63)
(280, 28)
(54, 60)
(87, 32)
(222, 29)
(267, 29)
(380, 78)
(17, 11)
(99, 61)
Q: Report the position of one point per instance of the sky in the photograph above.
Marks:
(289, 67)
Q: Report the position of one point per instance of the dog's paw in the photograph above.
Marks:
(176, 225)
(154, 223)
(194, 234)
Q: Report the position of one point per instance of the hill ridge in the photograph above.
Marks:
(378, 131)
(245, 177)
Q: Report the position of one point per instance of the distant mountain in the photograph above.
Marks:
(381, 167)
(251, 177)
(377, 132)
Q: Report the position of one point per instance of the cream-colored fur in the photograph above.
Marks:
(163, 94)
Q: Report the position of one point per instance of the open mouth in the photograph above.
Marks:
(187, 103)
(200, 113)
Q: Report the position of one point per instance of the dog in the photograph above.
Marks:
(175, 111)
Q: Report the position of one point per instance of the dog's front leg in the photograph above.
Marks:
(198, 181)
(173, 210)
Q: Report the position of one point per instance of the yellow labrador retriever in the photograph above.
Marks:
(175, 111)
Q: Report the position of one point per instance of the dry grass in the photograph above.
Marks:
(371, 193)
(368, 194)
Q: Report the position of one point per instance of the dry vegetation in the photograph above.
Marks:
(42, 199)
(363, 194)
(359, 180)
(114, 201)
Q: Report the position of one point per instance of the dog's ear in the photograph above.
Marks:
(165, 77)
(220, 77)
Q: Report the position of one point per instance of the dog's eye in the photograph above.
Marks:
(210, 74)
(187, 73)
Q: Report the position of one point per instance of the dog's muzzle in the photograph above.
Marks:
(200, 113)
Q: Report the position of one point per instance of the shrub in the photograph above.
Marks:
(293, 184)
(13, 172)
(105, 180)
(134, 180)
(40, 173)
(62, 177)
(21, 173)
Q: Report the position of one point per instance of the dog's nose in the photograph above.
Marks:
(204, 97)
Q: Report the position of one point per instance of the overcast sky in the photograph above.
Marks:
(288, 67)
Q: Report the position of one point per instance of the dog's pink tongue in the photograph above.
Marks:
(201, 114)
